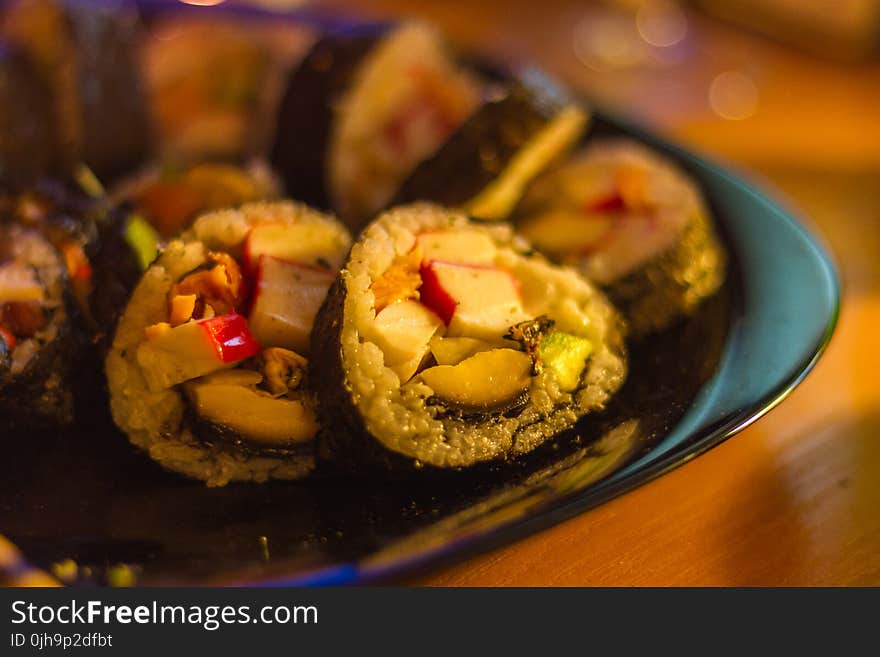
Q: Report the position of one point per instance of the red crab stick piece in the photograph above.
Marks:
(612, 203)
(473, 301)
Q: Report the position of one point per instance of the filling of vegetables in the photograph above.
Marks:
(609, 211)
(30, 286)
(451, 316)
(236, 336)
(409, 97)
(171, 199)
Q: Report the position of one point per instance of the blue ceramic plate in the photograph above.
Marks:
(785, 311)
(88, 498)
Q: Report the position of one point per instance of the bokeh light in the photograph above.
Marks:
(733, 95)
(203, 3)
(661, 24)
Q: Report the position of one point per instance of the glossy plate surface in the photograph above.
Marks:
(88, 506)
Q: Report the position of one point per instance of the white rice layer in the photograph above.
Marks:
(403, 418)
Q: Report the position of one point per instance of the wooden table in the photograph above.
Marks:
(794, 499)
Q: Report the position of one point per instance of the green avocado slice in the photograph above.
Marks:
(143, 240)
(566, 355)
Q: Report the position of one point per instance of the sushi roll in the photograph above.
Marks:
(29, 142)
(362, 109)
(207, 371)
(214, 82)
(37, 343)
(171, 197)
(87, 55)
(632, 222)
(484, 168)
(445, 342)
(104, 247)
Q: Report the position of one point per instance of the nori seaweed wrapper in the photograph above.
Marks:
(671, 285)
(116, 134)
(306, 113)
(515, 112)
(85, 55)
(29, 142)
(347, 446)
(116, 270)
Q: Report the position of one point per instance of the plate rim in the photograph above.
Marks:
(696, 444)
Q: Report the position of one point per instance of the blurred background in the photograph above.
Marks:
(787, 92)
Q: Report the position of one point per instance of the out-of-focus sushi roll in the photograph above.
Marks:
(87, 56)
(632, 222)
(102, 250)
(362, 109)
(104, 247)
(171, 197)
(207, 372)
(445, 342)
(214, 82)
(37, 346)
(29, 143)
(485, 167)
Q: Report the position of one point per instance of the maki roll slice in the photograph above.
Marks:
(101, 251)
(446, 342)
(214, 82)
(524, 126)
(104, 247)
(635, 224)
(37, 343)
(379, 116)
(364, 107)
(169, 198)
(87, 55)
(207, 372)
(29, 142)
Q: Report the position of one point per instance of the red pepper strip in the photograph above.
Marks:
(79, 271)
(8, 337)
(231, 337)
